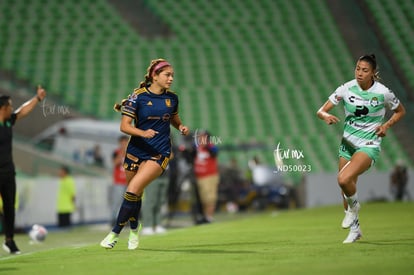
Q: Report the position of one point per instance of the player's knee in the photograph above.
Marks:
(343, 179)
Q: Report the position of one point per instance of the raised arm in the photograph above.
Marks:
(29, 105)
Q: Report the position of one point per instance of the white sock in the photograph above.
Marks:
(351, 200)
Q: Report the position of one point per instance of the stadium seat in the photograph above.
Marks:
(246, 69)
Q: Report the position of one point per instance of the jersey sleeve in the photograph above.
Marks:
(130, 106)
(391, 101)
(175, 110)
(338, 95)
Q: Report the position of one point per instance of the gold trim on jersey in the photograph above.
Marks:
(138, 91)
(133, 116)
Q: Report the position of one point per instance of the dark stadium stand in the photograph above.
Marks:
(249, 71)
(396, 21)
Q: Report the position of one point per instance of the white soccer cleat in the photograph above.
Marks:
(11, 247)
(351, 215)
(160, 230)
(146, 231)
(353, 236)
(133, 240)
(110, 240)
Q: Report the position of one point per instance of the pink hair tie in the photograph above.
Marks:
(159, 66)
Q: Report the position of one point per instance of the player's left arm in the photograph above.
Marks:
(29, 105)
(177, 124)
(399, 112)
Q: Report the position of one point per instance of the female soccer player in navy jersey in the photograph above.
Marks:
(365, 101)
(146, 116)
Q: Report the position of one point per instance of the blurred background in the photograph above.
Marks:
(252, 72)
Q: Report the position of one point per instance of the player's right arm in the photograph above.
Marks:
(128, 128)
(323, 113)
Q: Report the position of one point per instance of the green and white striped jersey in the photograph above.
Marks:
(364, 111)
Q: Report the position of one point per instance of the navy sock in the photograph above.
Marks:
(126, 211)
(133, 220)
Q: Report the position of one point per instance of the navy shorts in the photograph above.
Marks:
(131, 162)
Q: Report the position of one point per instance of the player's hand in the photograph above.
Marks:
(331, 119)
(149, 133)
(41, 93)
(184, 130)
(381, 131)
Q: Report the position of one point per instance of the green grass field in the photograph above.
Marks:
(288, 242)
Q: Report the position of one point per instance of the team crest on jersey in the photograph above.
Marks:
(373, 102)
(168, 102)
(149, 103)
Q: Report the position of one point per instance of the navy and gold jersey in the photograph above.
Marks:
(151, 111)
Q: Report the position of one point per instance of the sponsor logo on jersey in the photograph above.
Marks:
(132, 157)
(338, 98)
(166, 117)
(356, 124)
(133, 97)
(395, 100)
(361, 110)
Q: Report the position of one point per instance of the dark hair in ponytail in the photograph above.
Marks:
(371, 59)
(152, 70)
(156, 66)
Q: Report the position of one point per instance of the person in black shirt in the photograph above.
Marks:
(8, 117)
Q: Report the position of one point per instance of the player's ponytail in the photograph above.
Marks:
(372, 60)
(154, 68)
(146, 82)
(118, 106)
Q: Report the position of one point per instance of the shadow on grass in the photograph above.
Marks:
(403, 242)
(5, 270)
(209, 248)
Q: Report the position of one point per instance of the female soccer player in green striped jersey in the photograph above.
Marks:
(365, 102)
